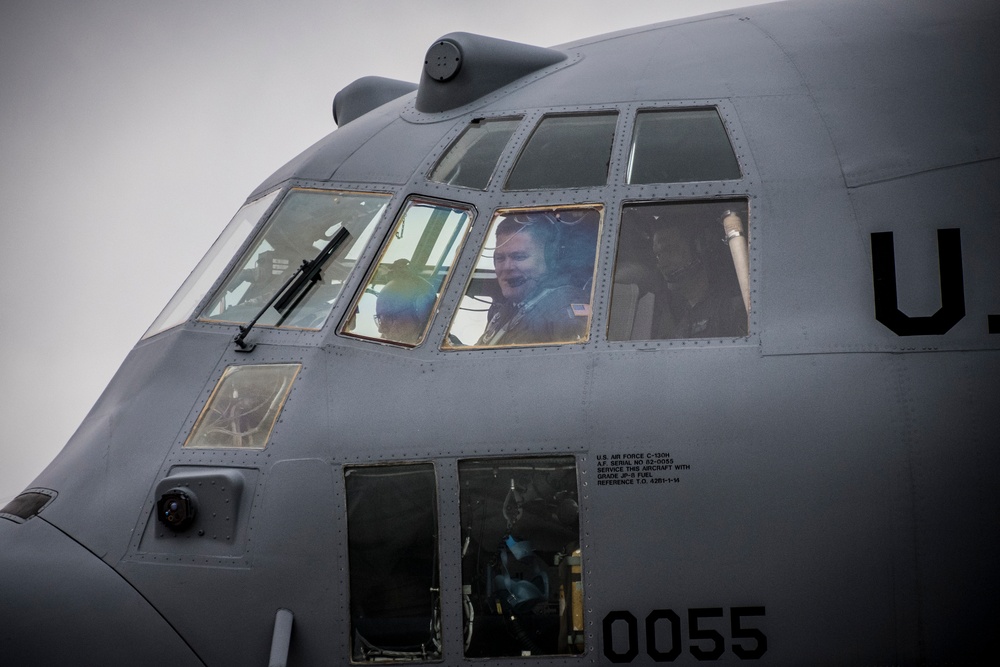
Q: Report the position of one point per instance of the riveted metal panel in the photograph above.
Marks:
(409, 142)
(900, 92)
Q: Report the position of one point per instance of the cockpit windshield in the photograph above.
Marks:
(674, 279)
(305, 225)
(406, 283)
(533, 282)
(182, 305)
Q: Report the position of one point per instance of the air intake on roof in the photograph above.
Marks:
(367, 93)
(461, 67)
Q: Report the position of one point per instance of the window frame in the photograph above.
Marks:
(615, 194)
(630, 142)
(475, 253)
(622, 194)
(375, 263)
(498, 165)
(226, 381)
(256, 239)
(746, 234)
(535, 124)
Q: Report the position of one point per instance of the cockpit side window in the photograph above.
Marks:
(566, 151)
(682, 271)
(471, 160)
(403, 289)
(521, 557)
(680, 146)
(392, 535)
(306, 225)
(533, 282)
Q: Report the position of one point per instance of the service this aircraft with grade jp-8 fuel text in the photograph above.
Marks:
(679, 344)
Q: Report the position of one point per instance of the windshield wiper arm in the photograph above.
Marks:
(307, 275)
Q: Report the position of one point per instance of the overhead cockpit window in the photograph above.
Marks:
(311, 230)
(566, 151)
(682, 271)
(392, 535)
(533, 282)
(194, 289)
(244, 407)
(403, 290)
(471, 160)
(521, 558)
(680, 146)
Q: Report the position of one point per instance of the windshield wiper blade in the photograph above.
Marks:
(291, 293)
(310, 274)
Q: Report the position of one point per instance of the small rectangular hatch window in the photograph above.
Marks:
(566, 151)
(392, 535)
(470, 161)
(680, 146)
(244, 407)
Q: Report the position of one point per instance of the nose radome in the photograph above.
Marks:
(62, 605)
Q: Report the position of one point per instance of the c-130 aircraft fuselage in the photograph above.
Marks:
(677, 344)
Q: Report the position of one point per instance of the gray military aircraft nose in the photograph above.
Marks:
(91, 614)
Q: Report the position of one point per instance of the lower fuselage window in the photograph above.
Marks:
(533, 282)
(244, 407)
(392, 549)
(521, 560)
(682, 271)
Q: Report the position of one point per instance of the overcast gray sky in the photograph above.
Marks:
(130, 133)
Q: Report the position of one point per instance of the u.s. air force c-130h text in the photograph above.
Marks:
(679, 344)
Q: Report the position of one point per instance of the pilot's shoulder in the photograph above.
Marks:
(559, 298)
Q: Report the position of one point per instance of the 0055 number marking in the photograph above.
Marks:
(705, 642)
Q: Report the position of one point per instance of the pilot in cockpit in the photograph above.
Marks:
(540, 300)
(702, 297)
(403, 306)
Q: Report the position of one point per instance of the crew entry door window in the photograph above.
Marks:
(521, 557)
(392, 535)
